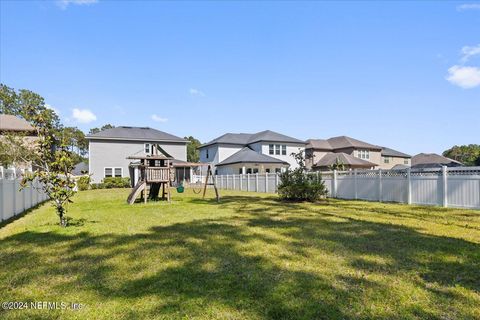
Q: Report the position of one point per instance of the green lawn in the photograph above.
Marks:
(248, 257)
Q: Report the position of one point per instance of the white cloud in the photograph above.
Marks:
(52, 108)
(158, 118)
(196, 92)
(469, 52)
(63, 4)
(83, 115)
(468, 6)
(465, 77)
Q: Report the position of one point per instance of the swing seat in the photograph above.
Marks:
(180, 189)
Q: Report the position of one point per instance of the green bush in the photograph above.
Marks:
(83, 183)
(95, 186)
(298, 185)
(116, 182)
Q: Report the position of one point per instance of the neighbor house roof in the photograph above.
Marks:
(10, 122)
(135, 133)
(247, 155)
(341, 142)
(80, 169)
(340, 157)
(425, 160)
(272, 136)
(245, 139)
(230, 138)
(387, 152)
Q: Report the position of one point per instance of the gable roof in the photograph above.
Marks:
(340, 142)
(135, 133)
(425, 160)
(387, 152)
(247, 155)
(10, 122)
(332, 157)
(245, 139)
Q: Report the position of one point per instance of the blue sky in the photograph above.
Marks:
(403, 75)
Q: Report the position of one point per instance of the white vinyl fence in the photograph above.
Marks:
(12, 200)
(448, 187)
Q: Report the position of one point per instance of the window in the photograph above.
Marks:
(249, 170)
(255, 170)
(363, 154)
(147, 148)
(284, 150)
(206, 153)
(113, 172)
(270, 149)
(386, 160)
(108, 172)
(405, 161)
(267, 170)
(278, 170)
(277, 149)
(240, 171)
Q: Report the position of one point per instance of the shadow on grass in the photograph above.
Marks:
(194, 266)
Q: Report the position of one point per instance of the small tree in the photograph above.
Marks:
(48, 153)
(299, 185)
(337, 165)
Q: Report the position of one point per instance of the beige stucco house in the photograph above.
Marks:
(352, 153)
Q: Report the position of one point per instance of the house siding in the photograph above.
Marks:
(114, 153)
(394, 161)
(263, 147)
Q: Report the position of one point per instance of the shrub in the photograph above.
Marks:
(83, 183)
(116, 182)
(298, 185)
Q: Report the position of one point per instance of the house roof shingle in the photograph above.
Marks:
(10, 122)
(135, 133)
(272, 136)
(387, 152)
(340, 142)
(247, 155)
(245, 139)
(427, 160)
(332, 157)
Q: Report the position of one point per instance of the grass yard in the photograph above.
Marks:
(249, 257)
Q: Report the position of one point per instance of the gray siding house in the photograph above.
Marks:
(109, 149)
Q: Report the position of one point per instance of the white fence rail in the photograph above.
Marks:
(448, 187)
(14, 201)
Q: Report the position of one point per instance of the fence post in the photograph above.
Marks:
(445, 186)
(256, 182)
(241, 178)
(226, 182)
(2, 197)
(276, 181)
(248, 181)
(233, 181)
(409, 186)
(355, 183)
(266, 182)
(380, 186)
(334, 184)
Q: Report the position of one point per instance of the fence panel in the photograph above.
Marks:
(427, 189)
(14, 201)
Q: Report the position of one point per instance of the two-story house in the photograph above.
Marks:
(242, 153)
(321, 154)
(109, 149)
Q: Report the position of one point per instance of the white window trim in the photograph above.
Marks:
(149, 148)
(113, 172)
